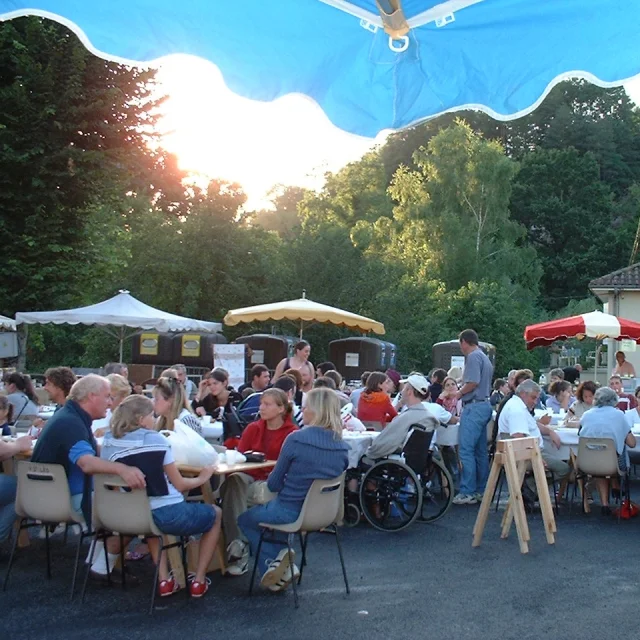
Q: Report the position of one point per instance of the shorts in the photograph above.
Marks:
(184, 518)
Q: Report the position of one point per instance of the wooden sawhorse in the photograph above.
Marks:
(514, 456)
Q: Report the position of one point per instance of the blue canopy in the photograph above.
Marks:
(371, 67)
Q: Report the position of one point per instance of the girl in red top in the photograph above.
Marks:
(375, 403)
(239, 490)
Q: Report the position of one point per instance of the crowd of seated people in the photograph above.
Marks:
(298, 396)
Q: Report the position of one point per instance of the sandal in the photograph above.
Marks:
(134, 556)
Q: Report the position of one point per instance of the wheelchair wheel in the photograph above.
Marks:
(352, 515)
(437, 491)
(390, 496)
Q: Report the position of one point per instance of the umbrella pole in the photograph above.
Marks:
(595, 372)
(301, 324)
(121, 342)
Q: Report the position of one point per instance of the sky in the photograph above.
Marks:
(218, 134)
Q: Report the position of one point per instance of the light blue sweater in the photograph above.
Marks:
(312, 453)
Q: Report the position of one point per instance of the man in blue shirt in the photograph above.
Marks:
(68, 440)
(476, 414)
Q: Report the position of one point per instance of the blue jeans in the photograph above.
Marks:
(8, 487)
(184, 518)
(272, 513)
(473, 447)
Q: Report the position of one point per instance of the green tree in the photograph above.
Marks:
(568, 214)
(452, 216)
(73, 142)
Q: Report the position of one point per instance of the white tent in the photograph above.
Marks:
(7, 323)
(121, 311)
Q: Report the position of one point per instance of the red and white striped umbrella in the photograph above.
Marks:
(587, 325)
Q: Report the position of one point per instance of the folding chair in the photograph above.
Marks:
(322, 508)
(43, 495)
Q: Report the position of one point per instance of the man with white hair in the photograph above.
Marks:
(68, 440)
(516, 421)
(189, 385)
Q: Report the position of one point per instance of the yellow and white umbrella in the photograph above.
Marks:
(303, 310)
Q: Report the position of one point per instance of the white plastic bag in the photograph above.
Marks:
(189, 448)
(352, 423)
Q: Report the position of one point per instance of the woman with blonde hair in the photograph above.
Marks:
(134, 438)
(120, 389)
(170, 404)
(315, 452)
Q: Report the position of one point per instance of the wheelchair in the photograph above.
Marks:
(396, 491)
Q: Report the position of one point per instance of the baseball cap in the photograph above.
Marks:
(419, 383)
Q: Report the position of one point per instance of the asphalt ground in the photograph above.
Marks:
(424, 582)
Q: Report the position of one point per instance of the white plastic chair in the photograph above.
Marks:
(126, 512)
(322, 508)
(43, 497)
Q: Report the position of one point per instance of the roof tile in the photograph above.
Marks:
(625, 278)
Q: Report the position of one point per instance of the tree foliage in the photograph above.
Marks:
(460, 222)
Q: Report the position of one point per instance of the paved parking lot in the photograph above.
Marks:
(425, 582)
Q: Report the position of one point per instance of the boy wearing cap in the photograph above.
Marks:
(414, 393)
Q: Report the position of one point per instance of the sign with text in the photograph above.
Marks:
(351, 359)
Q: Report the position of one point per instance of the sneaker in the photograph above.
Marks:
(286, 580)
(236, 550)
(239, 567)
(478, 496)
(277, 569)
(198, 589)
(168, 587)
(463, 498)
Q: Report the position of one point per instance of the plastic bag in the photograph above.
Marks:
(352, 423)
(189, 448)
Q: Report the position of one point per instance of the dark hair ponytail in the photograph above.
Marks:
(24, 384)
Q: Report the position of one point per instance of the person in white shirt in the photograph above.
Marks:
(446, 436)
(517, 421)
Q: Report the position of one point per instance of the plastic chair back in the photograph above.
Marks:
(43, 493)
(120, 509)
(597, 456)
(322, 507)
(24, 422)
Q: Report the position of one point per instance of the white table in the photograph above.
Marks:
(358, 443)
(569, 439)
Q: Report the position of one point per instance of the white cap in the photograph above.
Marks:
(419, 383)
